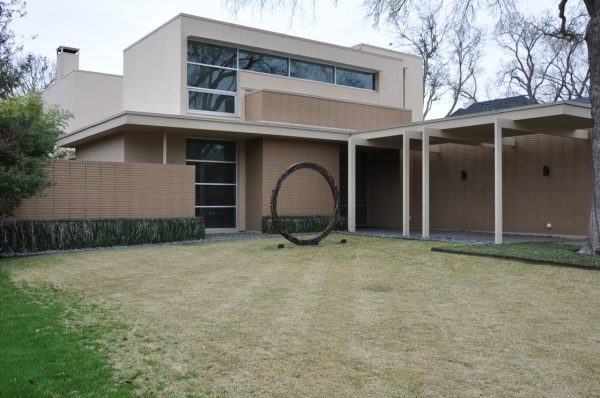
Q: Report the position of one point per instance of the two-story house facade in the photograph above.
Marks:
(241, 105)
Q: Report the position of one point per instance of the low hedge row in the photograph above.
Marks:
(26, 236)
(302, 223)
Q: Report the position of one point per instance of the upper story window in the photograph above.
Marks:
(264, 63)
(211, 77)
(354, 78)
(212, 74)
(311, 71)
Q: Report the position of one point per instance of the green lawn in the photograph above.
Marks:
(374, 317)
(552, 253)
(41, 356)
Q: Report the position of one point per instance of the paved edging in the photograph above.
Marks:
(514, 258)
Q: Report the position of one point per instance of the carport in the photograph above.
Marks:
(496, 129)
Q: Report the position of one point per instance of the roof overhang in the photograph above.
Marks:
(567, 118)
(124, 120)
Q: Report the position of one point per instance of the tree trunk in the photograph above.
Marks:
(592, 39)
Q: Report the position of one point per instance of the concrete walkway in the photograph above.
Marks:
(464, 237)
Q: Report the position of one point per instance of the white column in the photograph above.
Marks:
(498, 181)
(405, 184)
(425, 185)
(164, 146)
(351, 186)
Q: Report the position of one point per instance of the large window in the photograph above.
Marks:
(311, 71)
(216, 188)
(264, 63)
(211, 77)
(212, 74)
(354, 78)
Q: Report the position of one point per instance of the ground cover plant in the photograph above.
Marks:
(374, 317)
(549, 252)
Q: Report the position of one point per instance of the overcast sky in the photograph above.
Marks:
(102, 29)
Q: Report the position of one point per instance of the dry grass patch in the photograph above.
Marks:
(375, 317)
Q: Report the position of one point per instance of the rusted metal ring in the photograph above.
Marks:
(336, 204)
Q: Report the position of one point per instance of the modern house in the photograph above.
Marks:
(240, 105)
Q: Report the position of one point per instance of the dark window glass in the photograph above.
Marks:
(211, 102)
(264, 63)
(217, 217)
(355, 78)
(216, 173)
(311, 71)
(215, 195)
(211, 54)
(210, 150)
(361, 215)
(212, 78)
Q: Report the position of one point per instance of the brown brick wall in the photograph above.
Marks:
(254, 183)
(530, 199)
(280, 107)
(88, 189)
(304, 192)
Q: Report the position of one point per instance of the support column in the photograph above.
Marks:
(351, 186)
(425, 184)
(405, 184)
(164, 146)
(498, 181)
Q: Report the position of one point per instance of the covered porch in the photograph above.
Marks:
(501, 134)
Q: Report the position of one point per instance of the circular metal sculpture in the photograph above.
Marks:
(336, 204)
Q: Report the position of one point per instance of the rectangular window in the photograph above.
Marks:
(311, 71)
(214, 173)
(208, 85)
(217, 217)
(354, 78)
(264, 63)
(210, 54)
(209, 150)
(211, 102)
(215, 195)
(216, 180)
(211, 78)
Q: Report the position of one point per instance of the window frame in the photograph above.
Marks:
(237, 174)
(237, 69)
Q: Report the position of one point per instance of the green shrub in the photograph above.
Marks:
(304, 223)
(23, 236)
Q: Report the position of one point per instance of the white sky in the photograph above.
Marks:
(102, 29)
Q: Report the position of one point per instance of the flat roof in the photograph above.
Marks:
(577, 113)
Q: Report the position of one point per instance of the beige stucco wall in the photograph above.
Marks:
(108, 149)
(89, 96)
(155, 67)
(143, 147)
(85, 189)
(153, 72)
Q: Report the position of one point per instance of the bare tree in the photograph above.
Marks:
(424, 36)
(38, 73)
(542, 64)
(569, 77)
(530, 62)
(464, 57)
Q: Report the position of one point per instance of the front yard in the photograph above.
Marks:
(374, 317)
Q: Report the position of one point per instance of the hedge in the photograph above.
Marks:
(302, 223)
(26, 236)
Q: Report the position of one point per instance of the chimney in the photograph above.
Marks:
(67, 60)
